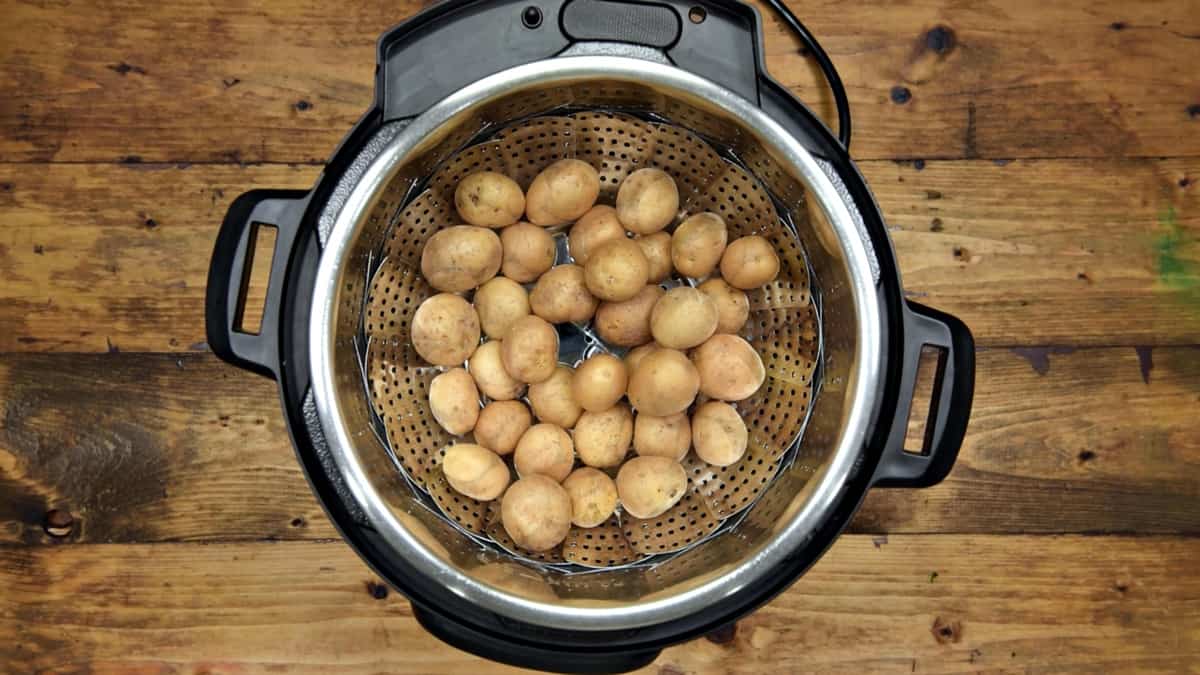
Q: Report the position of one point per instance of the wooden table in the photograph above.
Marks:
(1039, 164)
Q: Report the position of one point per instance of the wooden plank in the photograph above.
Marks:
(285, 81)
(151, 448)
(941, 603)
(1040, 252)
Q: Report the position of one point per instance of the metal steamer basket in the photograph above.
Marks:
(679, 86)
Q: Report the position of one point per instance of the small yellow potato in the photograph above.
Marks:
(657, 249)
(733, 306)
(597, 227)
(683, 318)
(599, 382)
(489, 199)
(669, 436)
(562, 192)
(501, 424)
(602, 439)
(749, 262)
(528, 251)
(697, 244)
(536, 513)
(454, 401)
(475, 471)
(562, 296)
(530, 350)
(664, 383)
(487, 367)
(460, 258)
(499, 303)
(553, 401)
(593, 496)
(545, 449)
(635, 356)
(445, 330)
(617, 270)
(627, 323)
(647, 201)
(719, 433)
(649, 486)
(730, 369)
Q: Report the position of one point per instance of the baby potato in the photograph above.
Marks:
(475, 471)
(647, 201)
(499, 303)
(602, 439)
(445, 330)
(528, 251)
(599, 382)
(597, 227)
(749, 262)
(545, 449)
(593, 496)
(501, 424)
(553, 401)
(649, 486)
(489, 199)
(530, 349)
(683, 318)
(657, 249)
(698, 243)
(635, 356)
(562, 296)
(733, 306)
(562, 192)
(454, 401)
(669, 436)
(460, 258)
(627, 323)
(536, 513)
(730, 369)
(664, 383)
(617, 270)
(487, 367)
(719, 433)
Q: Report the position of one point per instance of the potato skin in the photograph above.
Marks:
(647, 201)
(553, 401)
(617, 270)
(730, 369)
(602, 439)
(454, 401)
(593, 496)
(749, 262)
(487, 367)
(683, 318)
(501, 424)
(697, 244)
(445, 330)
(528, 251)
(562, 296)
(530, 350)
(499, 302)
(635, 356)
(475, 471)
(627, 323)
(545, 449)
(719, 434)
(489, 199)
(657, 249)
(562, 192)
(599, 382)
(733, 306)
(459, 258)
(536, 513)
(649, 486)
(597, 227)
(669, 436)
(664, 383)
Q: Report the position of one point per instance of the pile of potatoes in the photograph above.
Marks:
(569, 430)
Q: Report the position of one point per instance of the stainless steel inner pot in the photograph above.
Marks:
(777, 525)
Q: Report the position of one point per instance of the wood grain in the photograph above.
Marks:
(283, 82)
(1067, 252)
(944, 604)
(196, 450)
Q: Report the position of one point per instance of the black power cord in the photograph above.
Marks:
(822, 59)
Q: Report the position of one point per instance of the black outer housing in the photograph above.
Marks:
(732, 57)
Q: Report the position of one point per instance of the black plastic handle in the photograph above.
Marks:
(952, 394)
(526, 655)
(229, 273)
